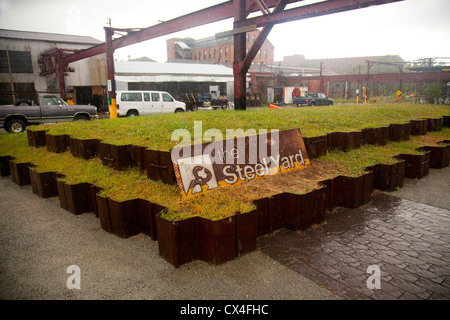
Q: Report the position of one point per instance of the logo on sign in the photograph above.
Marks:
(197, 174)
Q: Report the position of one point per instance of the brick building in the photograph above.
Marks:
(215, 50)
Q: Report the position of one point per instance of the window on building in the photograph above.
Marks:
(205, 56)
(220, 53)
(6, 96)
(24, 88)
(265, 54)
(19, 61)
(253, 38)
(209, 53)
(226, 51)
(215, 53)
(246, 37)
(4, 68)
(259, 53)
(17, 90)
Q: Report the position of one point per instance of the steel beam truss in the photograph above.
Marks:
(52, 61)
(272, 12)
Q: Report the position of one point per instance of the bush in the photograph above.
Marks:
(433, 92)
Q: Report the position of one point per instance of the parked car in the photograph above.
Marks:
(50, 109)
(313, 99)
(136, 103)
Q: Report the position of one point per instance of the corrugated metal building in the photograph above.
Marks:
(175, 78)
(20, 76)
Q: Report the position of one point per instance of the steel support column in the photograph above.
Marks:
(239, 55)
(109, 32)
(60, 75)
(243, 60)
(53, 63)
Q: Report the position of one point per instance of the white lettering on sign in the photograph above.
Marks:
(238, 159)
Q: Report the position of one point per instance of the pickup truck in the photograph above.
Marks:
(51, 109)
(196, 101)
(212, 100)
(313, 99)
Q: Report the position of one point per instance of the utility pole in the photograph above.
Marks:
(429, 67)
(400, 84)
(369, 64)
(321, 77)
(357, 89)
(378, 88)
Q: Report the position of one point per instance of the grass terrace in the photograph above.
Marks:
(155, 132)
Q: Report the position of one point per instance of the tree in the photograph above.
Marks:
(433, 92)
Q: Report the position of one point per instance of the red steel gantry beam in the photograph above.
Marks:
(212, 14)
(380, 77)
(279, 15)
(237, 9)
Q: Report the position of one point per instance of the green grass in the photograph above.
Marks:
(218, 203)
(354, 162)
(119, 185)
(155, 132)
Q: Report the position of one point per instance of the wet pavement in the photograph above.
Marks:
(408, 241)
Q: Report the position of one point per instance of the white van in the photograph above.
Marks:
(137, 103)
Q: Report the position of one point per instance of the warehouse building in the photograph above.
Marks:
(21, 75)
(175, 78)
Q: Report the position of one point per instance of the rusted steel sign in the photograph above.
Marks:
(229, 162)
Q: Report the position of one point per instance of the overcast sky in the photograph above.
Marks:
(410, 28)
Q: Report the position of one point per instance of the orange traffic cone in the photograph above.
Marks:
(271, 106)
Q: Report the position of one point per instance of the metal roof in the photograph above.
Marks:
(288, 71)
(48, 37)
(156, 68)
(183, 45)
